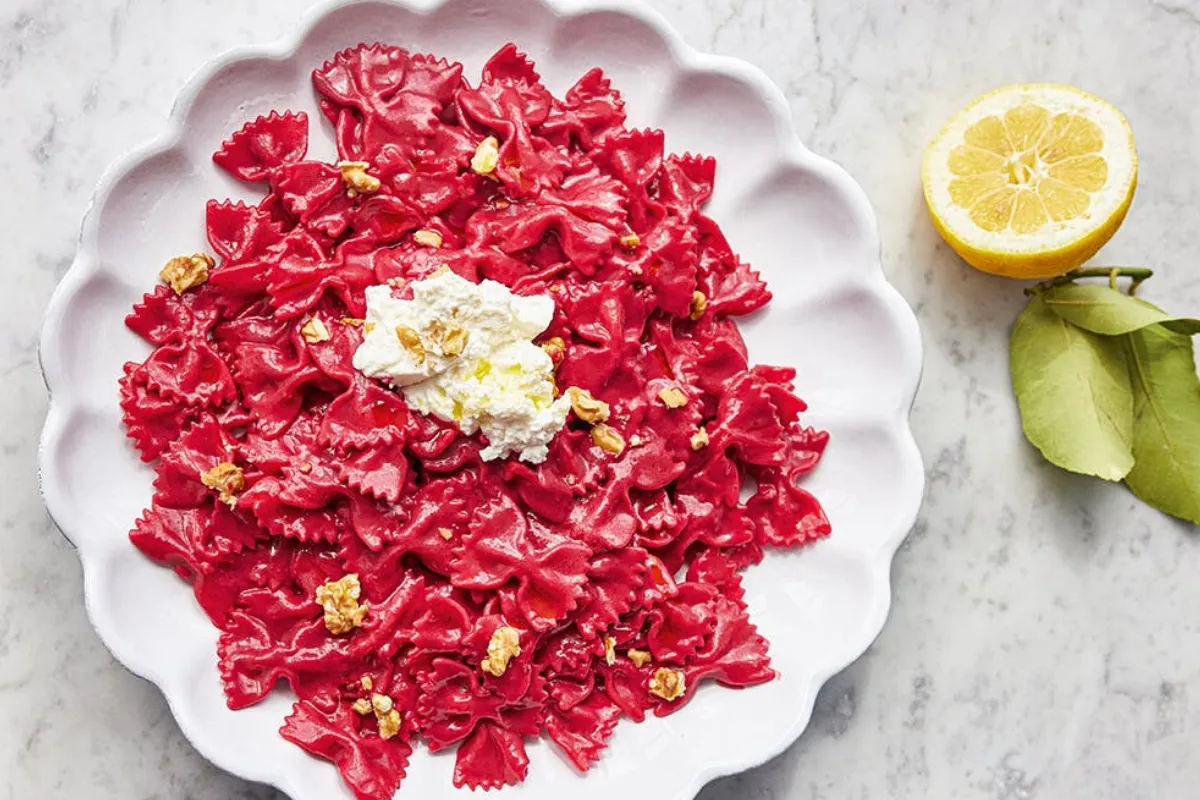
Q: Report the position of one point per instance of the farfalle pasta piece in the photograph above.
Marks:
(273, 380)
(189, 539)
(736, 654)
(614, 581)
(591, 112)
(511, 101)
(681, 625)
(165, 317)
(238, 232)
(366, 95)
(257, 650)
(263, 145)
(582, 731)
(152, 420)
(380, 471)
(363, 416)
(686, 182)
(454, 700)
(372, 767)
(204, 445)
(315, 194)
(302, 276)
(501, 546)
(491, 757)
(191, 372)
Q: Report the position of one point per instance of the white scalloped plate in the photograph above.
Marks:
(797, 217)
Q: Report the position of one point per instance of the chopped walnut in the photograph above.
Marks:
(305, 468)
(699, 304)
(700, 439)
(640, 658)
(610, 653)
(586, 407)
(673, 397)
(446, 533)
(387, 715)
(451, 338)
(669, 684)
(636, 441)
(362, 706)
(314, 331)
(226, 480)
(556, 348)
(486, 157)
(607, 439)
(357, 179)
(630, 241)
(352, 322)
(410, 340)
(428, 238)
(340, 600)
(504, 647)
(186, 272)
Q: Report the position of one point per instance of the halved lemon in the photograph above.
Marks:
(1029, 181)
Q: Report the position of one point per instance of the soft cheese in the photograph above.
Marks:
(464, 352)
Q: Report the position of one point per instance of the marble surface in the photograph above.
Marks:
(1043, 641)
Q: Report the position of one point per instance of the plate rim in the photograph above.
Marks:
(60, 411)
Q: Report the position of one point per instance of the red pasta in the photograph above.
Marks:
(366, 554)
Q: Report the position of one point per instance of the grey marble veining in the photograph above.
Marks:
(1044, 641)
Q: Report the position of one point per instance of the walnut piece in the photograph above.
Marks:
(630, 241)
(357, 179)
(387, 715)
(610, 653)
(636, 441)
(314, 331)
(362, 706)
(427, 238)
(556, 348)
(700, 439)
(451, 338)
(446, 533)
(673, 397)
(353, 322)
(410, 340)
(340, 600)
(186, 272)
(640, 658)
(586, 407)
(504, 647)
(699, 304)
(607, 439)
(669, 684)
(226, 480)
(487, 156)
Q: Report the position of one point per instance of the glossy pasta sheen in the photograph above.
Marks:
(640, 550)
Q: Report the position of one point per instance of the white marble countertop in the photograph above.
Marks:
(1044, 640)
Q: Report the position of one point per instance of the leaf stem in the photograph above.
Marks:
(1138, 275)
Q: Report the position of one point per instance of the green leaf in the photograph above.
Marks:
(1074, 393)
(1101, 309)
(1166, 429)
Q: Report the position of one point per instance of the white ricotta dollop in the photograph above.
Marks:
(501, 382)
